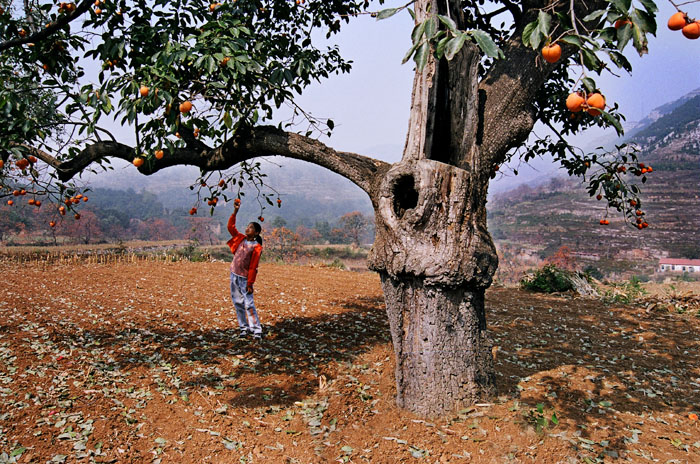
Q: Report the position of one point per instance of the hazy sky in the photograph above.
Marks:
(370, 105)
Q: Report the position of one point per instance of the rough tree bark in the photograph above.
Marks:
(432, 249)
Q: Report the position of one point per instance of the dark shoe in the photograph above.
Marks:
(243, 334)
(257, 336)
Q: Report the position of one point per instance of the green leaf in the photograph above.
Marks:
(431, 27)
(451, 25)
(620, 60)
(389, 12)
(650, 6)
(211, 64)
(536, 39)
(544, 20)
(608, 35)
(622, 5)
(440, 49)
(645, 21)
(639, 40)
(564, 20)
(595, 16)
(486, 43)
(165, 95)
(421, 57)
(589, 84)
(18, 451)
(572, 40)
(527, 33)
(454, 46)
(554, 419)
(614, 15)
(590, 60)
(614, 121)
(418, 32)
(228, 121)
(410, 52)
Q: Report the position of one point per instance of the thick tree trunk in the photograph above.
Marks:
(443, 356)
(435, 258)
(432, 250)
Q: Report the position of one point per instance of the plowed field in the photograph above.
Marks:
(135, 363)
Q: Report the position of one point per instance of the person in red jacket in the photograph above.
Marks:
(246, 249)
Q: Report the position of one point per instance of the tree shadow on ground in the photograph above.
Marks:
(584, 360)
(590, 362)
(256, 372)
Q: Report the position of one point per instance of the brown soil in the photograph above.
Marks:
(135, 363)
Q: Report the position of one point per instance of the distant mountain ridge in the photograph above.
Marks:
(672, 142)
(661, 111)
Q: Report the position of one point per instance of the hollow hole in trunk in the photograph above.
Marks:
(405, 195)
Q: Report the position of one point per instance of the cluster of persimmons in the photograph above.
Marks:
(22, 165)
(594, 103)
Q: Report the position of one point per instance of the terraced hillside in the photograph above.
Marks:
(539, 220)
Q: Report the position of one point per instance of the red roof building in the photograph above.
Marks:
(679, 265)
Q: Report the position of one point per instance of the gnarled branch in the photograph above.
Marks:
(248, 143)
(47, 31)
(506, 111)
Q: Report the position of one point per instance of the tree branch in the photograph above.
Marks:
(513, 9)
(506, 93)
(251, 143)
(47, 31)
(270, 141)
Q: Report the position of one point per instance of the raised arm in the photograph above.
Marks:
(232, 220)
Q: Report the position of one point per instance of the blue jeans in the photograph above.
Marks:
(245, 307)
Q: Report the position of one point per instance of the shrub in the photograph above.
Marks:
(337, 263)
(594, 272)
(538, 418)
(191, 252)
(685, 277)
(222, 253)
(547, 279)
(342, 253)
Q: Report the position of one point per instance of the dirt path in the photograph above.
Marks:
(138, 363)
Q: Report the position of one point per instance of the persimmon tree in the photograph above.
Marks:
(195, 82)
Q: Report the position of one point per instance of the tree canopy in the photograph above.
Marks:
(196, 80)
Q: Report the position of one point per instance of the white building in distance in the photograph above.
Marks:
(679, 265)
